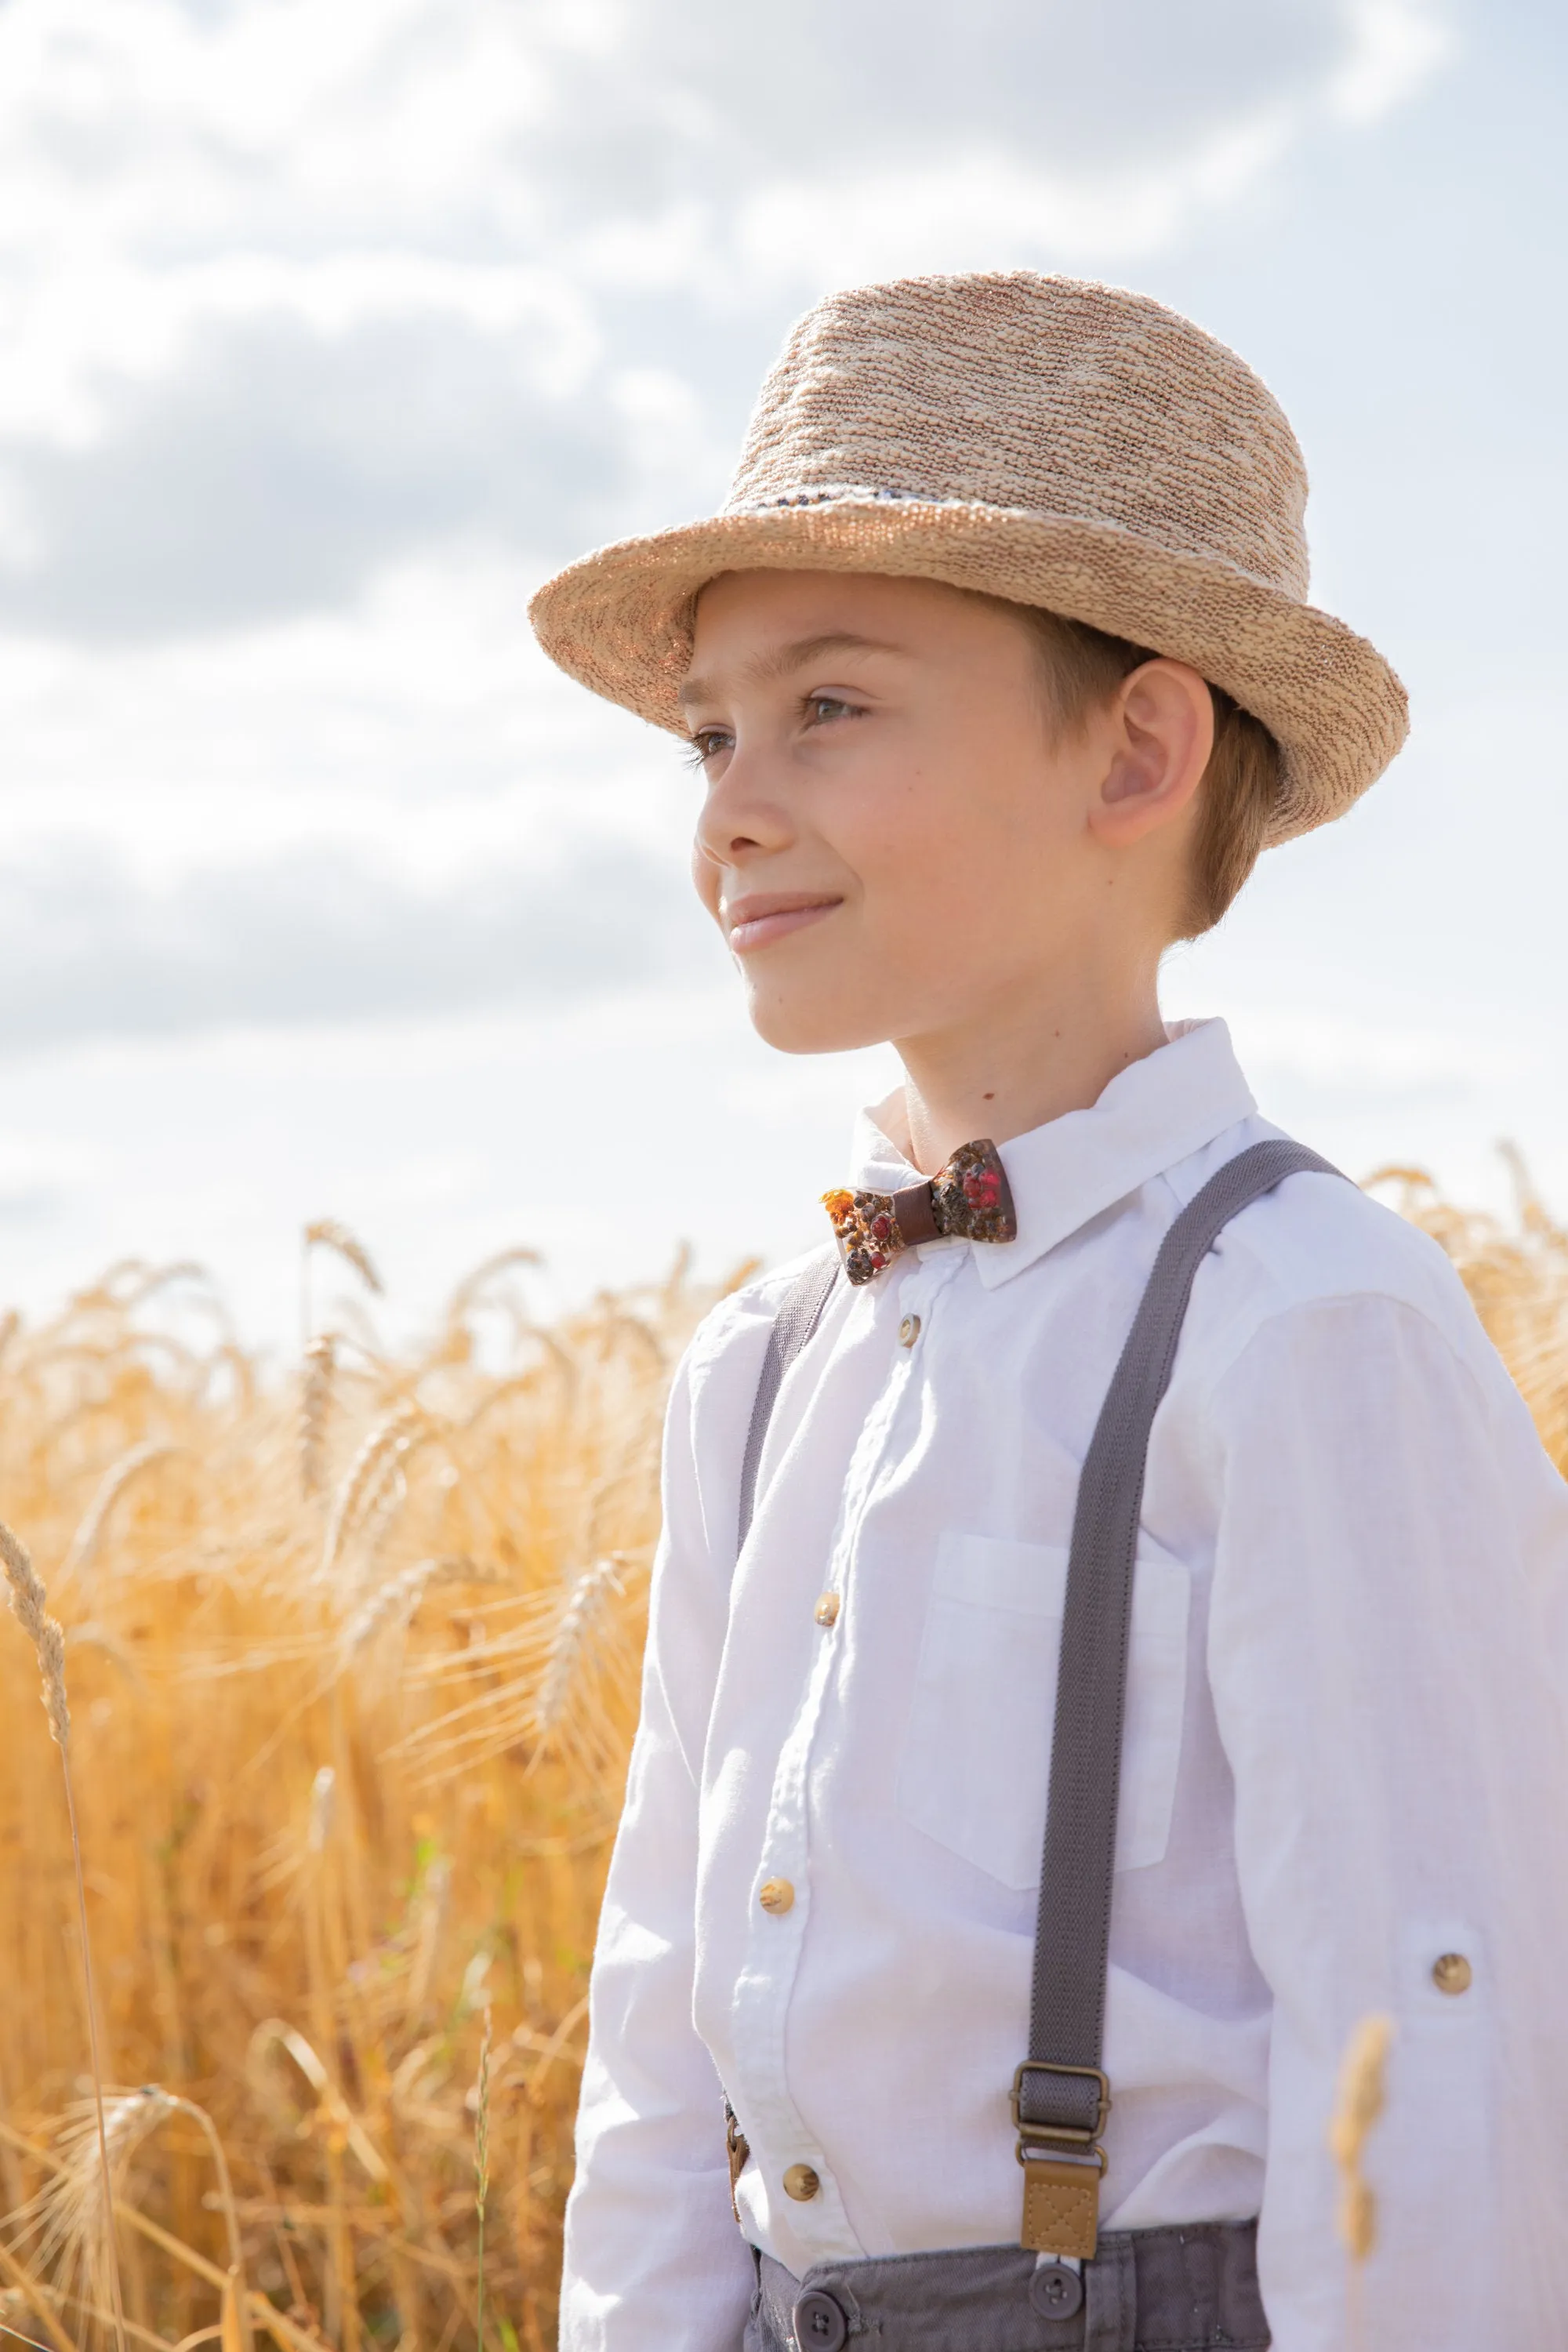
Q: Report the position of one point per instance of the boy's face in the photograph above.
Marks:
(891, 841)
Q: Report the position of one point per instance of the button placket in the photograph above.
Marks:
(778, 2135)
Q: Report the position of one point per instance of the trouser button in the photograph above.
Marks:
(819, 2325)
(1056, 2289)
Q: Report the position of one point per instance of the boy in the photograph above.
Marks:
(999, 672)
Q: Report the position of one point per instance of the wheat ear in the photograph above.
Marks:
(381, 1453)
(315, 1404)
(326, 1233)
(29, 1607)
(592, 1590)
(112, 1484)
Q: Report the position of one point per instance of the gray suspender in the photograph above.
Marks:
(792, 1325)
(1059, 2094)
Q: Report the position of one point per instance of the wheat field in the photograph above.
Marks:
(351, 1659)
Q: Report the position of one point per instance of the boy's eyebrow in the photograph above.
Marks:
(787, 659)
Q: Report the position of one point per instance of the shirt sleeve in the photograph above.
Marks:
(653, 2256)
(1385, 1655)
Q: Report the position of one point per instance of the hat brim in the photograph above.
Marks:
(620, 621)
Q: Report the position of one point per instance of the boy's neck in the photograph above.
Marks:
(1012, 1071)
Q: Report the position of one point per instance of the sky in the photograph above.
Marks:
(327, 334)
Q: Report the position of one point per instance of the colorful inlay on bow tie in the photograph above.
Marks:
(969, 1197)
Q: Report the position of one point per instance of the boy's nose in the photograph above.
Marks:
(739, 819)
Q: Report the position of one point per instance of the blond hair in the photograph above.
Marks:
(1240, 786)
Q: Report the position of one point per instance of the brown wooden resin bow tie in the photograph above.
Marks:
(969, 1197)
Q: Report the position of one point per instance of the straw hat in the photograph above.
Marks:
(1039, 438)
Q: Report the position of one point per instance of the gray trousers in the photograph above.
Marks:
(1188, 2289)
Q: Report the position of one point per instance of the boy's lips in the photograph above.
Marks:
(756, 921)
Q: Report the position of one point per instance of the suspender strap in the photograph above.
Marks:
(792, 1325)
(1060, 2096)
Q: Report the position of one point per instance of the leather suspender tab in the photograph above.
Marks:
(1061, 2207)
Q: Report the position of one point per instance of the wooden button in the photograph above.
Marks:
(801, 2183)
(909, 1331)
(1452, 1973)
(826, 1610)
(777, 1895)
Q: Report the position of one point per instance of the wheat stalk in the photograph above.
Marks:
(483, 2164)
(1359, 2102)
(462, 1301)
(273, 2032)
(324, 1809)
(434, 1895)
(30, 1609)
(237, 2296)
(115, 1479)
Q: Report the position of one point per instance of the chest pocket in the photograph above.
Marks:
(976, 1760)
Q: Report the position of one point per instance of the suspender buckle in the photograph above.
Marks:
(1079, 2135)
(1063, 2163)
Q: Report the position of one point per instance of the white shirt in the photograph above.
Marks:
(1345, 1756)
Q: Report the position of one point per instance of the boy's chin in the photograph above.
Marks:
(810, 1028)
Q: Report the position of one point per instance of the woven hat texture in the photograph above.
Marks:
(1055, 442)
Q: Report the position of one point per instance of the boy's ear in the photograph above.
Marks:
(1159, 738)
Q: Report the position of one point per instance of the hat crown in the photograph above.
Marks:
(1051, 396)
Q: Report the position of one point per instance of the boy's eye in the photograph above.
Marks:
(823, 709)
(706, 744)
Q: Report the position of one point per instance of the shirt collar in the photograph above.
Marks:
(1150, 1118)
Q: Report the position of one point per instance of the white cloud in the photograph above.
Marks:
(162, 167)
(331, 935)
(1396, 46)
